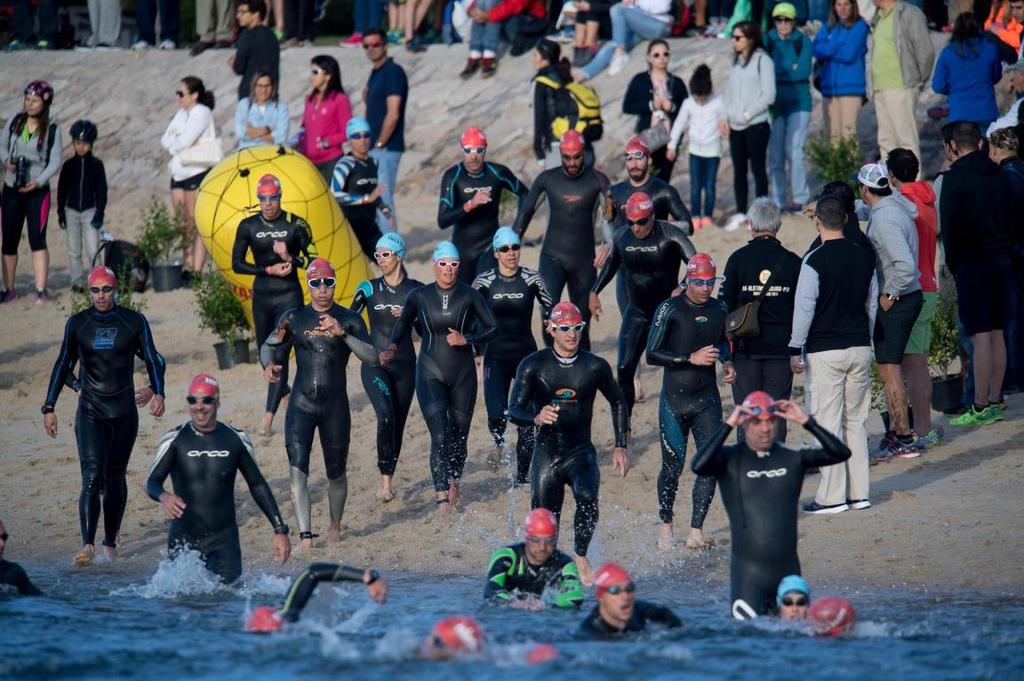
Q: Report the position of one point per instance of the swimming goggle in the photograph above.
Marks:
(325, 282)
(474, 150)
(509, 247)
(757, 411)
(447, 264)
(642, 221)
(635, 155)
(359, 136)
(268, 197)
(382, 255)
(798, 602)
(566, 328)
(616, 590)
(100, 289)
(205, 399)
(546, 541)
(702, 282)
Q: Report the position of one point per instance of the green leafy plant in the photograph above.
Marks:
(160, 237)
(125, 296)
(835, 163)
(218, 309)
(945, 344)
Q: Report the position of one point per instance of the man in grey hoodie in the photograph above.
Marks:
(893, 234)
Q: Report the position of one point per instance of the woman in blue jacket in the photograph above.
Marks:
(261, 118)
(967, 69)
(840, 47)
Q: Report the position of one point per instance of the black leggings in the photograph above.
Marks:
(579, 279)
(552, 471)
(447, 404)
(104, 447)
(498, 376)
(677, 415)
(632, 343)
(771, 375)
(17, 208)
(266, 308)
(390, 390)
(298, 19)
(749, 146)
(331, 418)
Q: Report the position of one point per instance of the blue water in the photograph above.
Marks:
(105, 624)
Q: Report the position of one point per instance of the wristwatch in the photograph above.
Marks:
(283, 529)
(891, 297)
(46, 409)
(379, 145)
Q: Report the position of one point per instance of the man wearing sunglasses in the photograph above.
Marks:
(577, 198)
(203, 458)
(761, 481)
(554, 391)
(105, 339)
(511, 291)
(323, 335)
(618, 611)
(520, 574)
(687, 338)
(356, 186)
(668, 205)
(386, 94)
(471, 200)
(647, 255)
(12, 574)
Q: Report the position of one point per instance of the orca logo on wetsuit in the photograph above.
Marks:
(776, 473)
(216, 453)
(507, 296)
(272, 235)
(366, 180)
(104, 338)
(641, 249)
(383, 306)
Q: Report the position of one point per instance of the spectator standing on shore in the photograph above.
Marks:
(366, 15)
(298, 22)
(145, 23)
(105, 24)
(967, 70)
(257, 49)
(840, 47)
(550, 66)
(655, 97)
(1004, 149)
(23, 25)
(385, 95)
(81, 201)
(325, 116)
(261, 118)
(216, 33)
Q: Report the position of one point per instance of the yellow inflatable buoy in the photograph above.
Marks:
(228, 195)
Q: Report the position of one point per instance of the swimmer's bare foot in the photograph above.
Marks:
(334, 533)
(666, 540)
(386, 492)
(586, 572)
(85, 556)
(444, 507)
(696, 540)
(494, 456)
(453, 493)
(638, 387)
(267, 426)
(109, 553)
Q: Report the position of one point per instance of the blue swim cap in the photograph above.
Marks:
(792, 583)
(505, 236)
(445, 250)
(392, 241)
(356, 124)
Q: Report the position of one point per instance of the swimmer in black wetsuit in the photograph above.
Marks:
(687, 337)
(555, 390)
(202, 457)
(390, 388)
(12, 574)
(281, 243)
(618, 611)
(576, 197)
(471, 200)
(761, 481)
(510, 290)
(355, 186)
(450, 316)
(647, 256)
(323, 335)
(518, 575)
(105, 339)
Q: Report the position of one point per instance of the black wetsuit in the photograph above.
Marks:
(353, 180)
(271, 295)
(567, 257)
(511, 573)
(761, 492)
(12, 574)
(302, 587)
(643, 612)
(563, 453)
(689, 394)
(319, 399)
(202, 467)
(650, 269)
(511, 299)
(107, 421)
(474, 230)
(446, 374)
(391, 388)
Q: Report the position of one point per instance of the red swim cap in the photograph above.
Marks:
(268, 185)
(572, 143)
(565, 313)
(204, 384)
(762, 404)
(264, 620)
(540, 653)
(460, 633)
(473, 137)
(608, 575)
(540, 523)
(101, 275)
(638, 144)
(639, 206)
(831, 616)
(319, 268)
(701, 266)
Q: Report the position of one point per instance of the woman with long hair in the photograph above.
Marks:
(840, 47)
(261, 118)
(325, 116)
(967, 70)
(655, 96)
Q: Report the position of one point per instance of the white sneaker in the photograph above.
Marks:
(141, 45)
(735, 222)
(168, 45)
(619, 62)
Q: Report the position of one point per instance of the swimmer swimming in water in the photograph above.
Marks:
(618, 611)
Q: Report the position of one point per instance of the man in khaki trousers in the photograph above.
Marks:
(214, 28)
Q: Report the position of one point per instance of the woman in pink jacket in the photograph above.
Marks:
(324, 119)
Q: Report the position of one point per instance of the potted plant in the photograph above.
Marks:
(222, 314)
(160, 240)
(835, 163)
(947, 387)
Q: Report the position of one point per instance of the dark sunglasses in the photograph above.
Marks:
(642, 221)
(205, 399)
(635, 155)
(453, 264)
(100, 289)
(382, 255)
(474, 150)
(316, 72)
(547, 541)
(702, 282)
(566, 328)
(738, 38)
(325, 282)
(359, 136)
(783, 20)
(616, 590)
(509, 248)
(659, 55)
(370, 46)
(267, 197)
(791, 602)
(179, 94)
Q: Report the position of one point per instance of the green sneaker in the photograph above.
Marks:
(971, 417)
(930, 440)
(991, 414)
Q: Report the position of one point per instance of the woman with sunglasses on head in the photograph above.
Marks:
(105, 339)
(655, 97)
(281, 243)
(390, 388)
(325, 116)
(451, 316)
(261, 118)
(356, 186)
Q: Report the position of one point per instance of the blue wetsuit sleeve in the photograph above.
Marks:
(363, 293)
(832, 450)
(657, 353)
(448, 209)
(501, 563)
(520, 402)
(341, 170)
(609, 387)
(66, 359)
(711, 459)
(278, 344)
(258, 486)
(486, 324)
(163, 462)
(155, 364)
